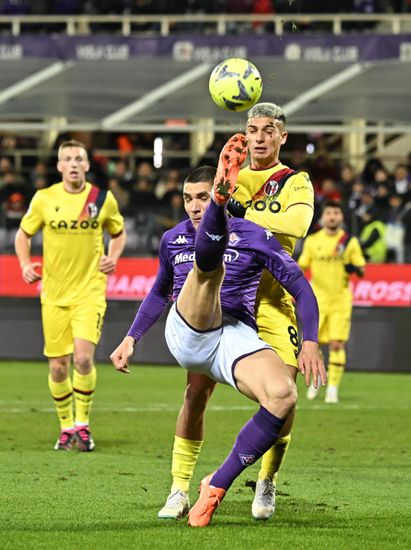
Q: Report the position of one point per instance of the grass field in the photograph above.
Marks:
(346, 482)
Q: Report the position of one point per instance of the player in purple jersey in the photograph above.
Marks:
(212, 267)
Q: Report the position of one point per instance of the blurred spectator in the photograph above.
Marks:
(394, 236)
(381, 201)
(14, 199)
(402, 180)
(368, 173)
(168, 185)
(123, 174)
(172, 212)
(122, 195)
(15, 7)
(372, 238)
(406, 221)
(40, 169)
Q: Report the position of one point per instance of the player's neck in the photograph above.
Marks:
(74, 188)
(331, 232)
(263, 164)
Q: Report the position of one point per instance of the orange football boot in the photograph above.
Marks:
(232, 156)
(210, 498)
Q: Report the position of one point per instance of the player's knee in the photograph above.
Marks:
(336, 345)
(83, 362)
(59, 370)
(196, 398)
(282, 396)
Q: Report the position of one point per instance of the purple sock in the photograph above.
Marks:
(212, 237)
(254, 439)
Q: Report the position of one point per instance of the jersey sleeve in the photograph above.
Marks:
(32, 220)
(156, 300)
(304, 261)
(280, 264)
(290, 276)
(297, 211)
(114, 222)
(354, 253)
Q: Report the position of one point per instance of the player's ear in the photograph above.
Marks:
(284, 137)
(59, 167)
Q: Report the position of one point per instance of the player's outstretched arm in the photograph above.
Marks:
(122, 353)
(311, 364)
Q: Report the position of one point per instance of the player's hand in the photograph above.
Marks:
(107, 265)
(30, 273)
(120, 355)
(311, 364)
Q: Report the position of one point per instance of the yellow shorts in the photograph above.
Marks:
(61, 324)
(335, 324)
(278, 327)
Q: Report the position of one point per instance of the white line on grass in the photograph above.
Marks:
(215, 408)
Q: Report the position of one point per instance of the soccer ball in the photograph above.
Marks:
(235, 84)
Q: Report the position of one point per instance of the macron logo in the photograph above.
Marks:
(180, 240)
(214, 237)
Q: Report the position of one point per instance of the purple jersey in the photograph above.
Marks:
(250, 250)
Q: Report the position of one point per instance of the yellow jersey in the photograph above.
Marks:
(325, 255)
(73, 226)
(268, 195)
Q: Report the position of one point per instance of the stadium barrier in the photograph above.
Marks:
(379, 337)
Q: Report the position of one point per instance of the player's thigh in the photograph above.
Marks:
(278, 327)
(265, 378)
(199, 300)
(87, 319)
(58, 336)
(237, 341)
(340, 323)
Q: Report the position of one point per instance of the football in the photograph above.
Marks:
(235, 84)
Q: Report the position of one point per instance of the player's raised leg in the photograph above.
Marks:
(263, 378)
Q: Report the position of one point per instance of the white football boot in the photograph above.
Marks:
(331, 394)
(264, 499)
(176, 506)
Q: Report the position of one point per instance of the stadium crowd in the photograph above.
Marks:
(118, 7)
(376, 201)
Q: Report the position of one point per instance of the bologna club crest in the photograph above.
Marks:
(271, 188)
(92, 210)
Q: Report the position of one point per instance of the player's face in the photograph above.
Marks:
(265, 137)
(196, 199)
(73, 166)
(332, 218)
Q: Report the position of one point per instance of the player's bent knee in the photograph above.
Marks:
(281, 398)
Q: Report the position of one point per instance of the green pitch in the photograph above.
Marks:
(345, 484)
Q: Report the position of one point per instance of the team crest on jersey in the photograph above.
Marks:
(246, 460)
(233, 238)
(92, 210)
(180, 240)
(271, 188)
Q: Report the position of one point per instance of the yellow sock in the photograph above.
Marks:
(273, 458)
(83, 387)
(336, 366)
(185, 454)
(62, 393)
